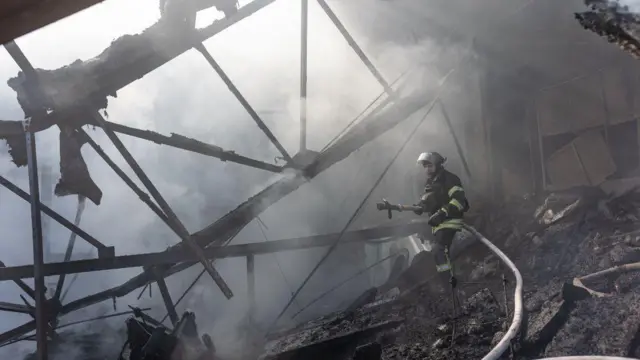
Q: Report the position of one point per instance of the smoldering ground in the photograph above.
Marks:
(185, 96)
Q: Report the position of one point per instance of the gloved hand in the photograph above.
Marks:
(418, 212)
(437, 218)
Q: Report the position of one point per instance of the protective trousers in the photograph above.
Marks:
(443, 240)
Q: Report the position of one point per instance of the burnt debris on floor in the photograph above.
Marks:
(567, 235)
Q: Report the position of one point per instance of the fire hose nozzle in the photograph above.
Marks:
(385, 205)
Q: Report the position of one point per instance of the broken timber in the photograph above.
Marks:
(126, 60)
(260, 248)
(18, 20)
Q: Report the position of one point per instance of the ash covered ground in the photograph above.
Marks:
(552, 241)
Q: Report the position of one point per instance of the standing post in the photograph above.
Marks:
(543, 167)
(38, 248)
(605, 107)
(304, 27)
(166, 297)
(251, 286)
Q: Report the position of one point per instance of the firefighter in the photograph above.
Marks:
(445, 202)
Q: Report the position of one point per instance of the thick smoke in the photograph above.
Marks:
(633, 5)
(186, 96)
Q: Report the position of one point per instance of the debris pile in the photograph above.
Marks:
(555, 242)
(615, 22)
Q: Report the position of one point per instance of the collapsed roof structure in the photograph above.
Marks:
(50, 98)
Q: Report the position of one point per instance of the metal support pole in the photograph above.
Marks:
(166, 297)
(543, 167)
(185, 143)
(455, 139)
(304, 37)
(605, 108)
(214, 64)
(251, 286)
(38, 250)
(181, 230)
(70, 244)
(356, 47)
(581, 163)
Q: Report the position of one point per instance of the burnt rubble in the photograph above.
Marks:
(613, 21)
(552, 241)
(142, 338)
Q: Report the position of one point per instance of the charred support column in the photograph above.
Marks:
(38, 249)
(251, 286)
(214, 64)
(304, 37)
(177, 226)
(605, 106)
(166, 297)
(354, 45)
(540, 154)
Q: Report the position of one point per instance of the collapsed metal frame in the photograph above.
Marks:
(158, 266)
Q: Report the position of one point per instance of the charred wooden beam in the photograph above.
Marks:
(170, 257)
(18, 18)
(193, 145)
(126, 60)
(10, 128)
(17, 308)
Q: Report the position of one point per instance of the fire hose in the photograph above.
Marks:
(505, 342)
(588, 358)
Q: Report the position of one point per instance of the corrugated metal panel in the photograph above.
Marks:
(571, 107)
(564, 169)
(585, 161)
(596, 157)
(620, 86)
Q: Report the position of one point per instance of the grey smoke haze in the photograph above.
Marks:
(260, 54)
(185, 96)
(634, 5)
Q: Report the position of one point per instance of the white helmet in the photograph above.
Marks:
(431, 157)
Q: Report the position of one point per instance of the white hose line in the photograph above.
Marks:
(504, 343)
(588, 358)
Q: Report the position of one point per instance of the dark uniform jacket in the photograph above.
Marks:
(445, 193)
